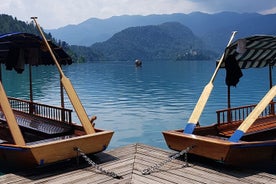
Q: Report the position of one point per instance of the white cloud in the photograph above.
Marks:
(57, 13)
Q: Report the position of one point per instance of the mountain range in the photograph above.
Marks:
(213, 29)
(175, 36)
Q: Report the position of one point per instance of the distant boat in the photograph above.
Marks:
(138, 63)
(35, 134)
(242, 135)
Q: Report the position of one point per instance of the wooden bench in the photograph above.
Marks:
(3, 141)
(39, 124)
(50, 140)
(260, 125)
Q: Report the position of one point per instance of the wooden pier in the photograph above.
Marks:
(128, 163)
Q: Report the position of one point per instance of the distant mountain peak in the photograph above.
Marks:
(170, 40)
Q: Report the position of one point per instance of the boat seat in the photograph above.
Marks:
(3, 141)
(50, 140)
(217, 137)
(42, 124)
(39, 124)
(2, 117)
(260, 125)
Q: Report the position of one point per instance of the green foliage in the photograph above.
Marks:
(10, 25)
(170, 40)
(86, 54)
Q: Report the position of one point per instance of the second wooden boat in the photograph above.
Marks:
(242, 135)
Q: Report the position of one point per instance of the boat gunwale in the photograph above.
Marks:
(214, 139)
(98, 133)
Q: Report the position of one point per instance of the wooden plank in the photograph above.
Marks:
(221, 173)
(12, 178)
(175, 178)
(129, 161)
(138, 178)
(213, 177)
(258, 126)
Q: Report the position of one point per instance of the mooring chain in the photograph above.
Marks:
(158, 165)
(93, 164)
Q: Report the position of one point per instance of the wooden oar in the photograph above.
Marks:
(10, 118)
(89, 129)
(251, 118)
(204, 97)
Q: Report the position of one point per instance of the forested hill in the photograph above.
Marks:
(170, 40)
(11, 25)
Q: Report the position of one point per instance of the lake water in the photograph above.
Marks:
(140, 103)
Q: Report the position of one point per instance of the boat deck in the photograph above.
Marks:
(261, 125)
(39, 124)
(129, 162)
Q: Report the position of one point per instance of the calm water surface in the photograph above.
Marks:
(140, 103)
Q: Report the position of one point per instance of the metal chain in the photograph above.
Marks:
(93, 164)
(158, 165)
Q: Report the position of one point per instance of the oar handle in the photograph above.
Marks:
(48, 46)
(193, 120)
(221, 58)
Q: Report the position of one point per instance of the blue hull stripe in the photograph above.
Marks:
(189, 129)
(236, 136)
(267, 144)
(11, 148)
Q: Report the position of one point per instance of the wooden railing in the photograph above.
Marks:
(42, 110)
(240, 113)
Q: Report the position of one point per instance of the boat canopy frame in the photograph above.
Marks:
(256, 51)
(19, 49)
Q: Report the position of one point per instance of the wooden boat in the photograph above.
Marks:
(242, 135)
(35, 134)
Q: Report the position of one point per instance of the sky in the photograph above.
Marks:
(58, 13)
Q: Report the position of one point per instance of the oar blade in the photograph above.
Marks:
(199, 108)
(251, 118)
(77, 105)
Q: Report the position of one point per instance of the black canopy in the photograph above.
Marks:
(253, 52)
(250, 52)
(18, 49)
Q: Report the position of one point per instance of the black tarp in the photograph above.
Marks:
(233, 71)
(18, 49)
